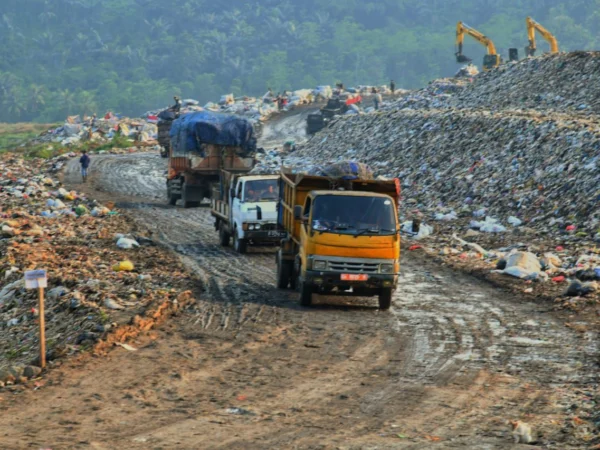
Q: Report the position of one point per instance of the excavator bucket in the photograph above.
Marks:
(460, 58)
(529, 51)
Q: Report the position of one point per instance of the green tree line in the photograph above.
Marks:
(63, 57)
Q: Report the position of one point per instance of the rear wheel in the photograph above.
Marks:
(224, 236)
(171, 198)
(185, 202)
(385, 298)
(239, 245)
(284, 273)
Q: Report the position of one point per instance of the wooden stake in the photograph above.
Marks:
(42, 330)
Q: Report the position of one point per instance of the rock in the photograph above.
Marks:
(16, 371)
(32, 372)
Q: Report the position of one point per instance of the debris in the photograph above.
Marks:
(123, 266)
(240, 412)
(126, 243)
(127, 347)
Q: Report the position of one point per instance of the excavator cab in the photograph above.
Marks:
(491, 62)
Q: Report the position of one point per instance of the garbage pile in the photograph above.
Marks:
(77, 129)
(436, 95)
(515, 176)
(468, 71)
(100, 273)
(559, 82)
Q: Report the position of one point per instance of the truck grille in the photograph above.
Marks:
(350, 267)
(269, 227)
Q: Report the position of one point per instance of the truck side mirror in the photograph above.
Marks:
(298, 212)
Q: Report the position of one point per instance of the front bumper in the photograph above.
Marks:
(271, 236)
(334, 279)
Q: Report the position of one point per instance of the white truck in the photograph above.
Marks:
(245, 209)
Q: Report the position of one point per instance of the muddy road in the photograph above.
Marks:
(246, 367)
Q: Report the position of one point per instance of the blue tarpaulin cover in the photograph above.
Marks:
(191, 130)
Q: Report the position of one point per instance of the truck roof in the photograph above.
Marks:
(350, 193)
(259, 177)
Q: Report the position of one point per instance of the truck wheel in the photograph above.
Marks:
(171, 198)
(385, 299)
(184, 201)
(239, 245)
(306, 293)
(224, 237)
(283, 274)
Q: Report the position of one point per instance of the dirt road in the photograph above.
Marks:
(246, 367)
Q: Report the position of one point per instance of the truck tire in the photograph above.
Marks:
(171, 198)
(284, 272)
(385, 299)
(184, 201)
(306, 294)
(224, 236)
(239, 245)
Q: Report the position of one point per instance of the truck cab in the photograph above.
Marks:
(342, 242)
(249, 213)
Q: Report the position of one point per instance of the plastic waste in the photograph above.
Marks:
(123, 266)
(514, 221)
(126, 243)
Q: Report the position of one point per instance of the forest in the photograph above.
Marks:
(64, 57)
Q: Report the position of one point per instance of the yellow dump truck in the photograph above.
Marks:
(343, 237)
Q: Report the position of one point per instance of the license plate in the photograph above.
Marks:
(280, 234)
(354, 277)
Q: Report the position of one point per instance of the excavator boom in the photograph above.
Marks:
(532, 27)
(491, 60)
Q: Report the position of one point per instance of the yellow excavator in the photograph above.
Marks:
(490, 61)
(532, 27)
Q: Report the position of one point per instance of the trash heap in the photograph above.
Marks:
(77, 129)
(560, 82)
(500, 178)
(437, 94)
(101, 273)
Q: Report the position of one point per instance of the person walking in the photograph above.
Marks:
(84, 161)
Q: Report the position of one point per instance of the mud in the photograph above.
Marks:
(247, 367)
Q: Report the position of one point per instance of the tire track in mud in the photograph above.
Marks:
(449, 327)
(443, 329)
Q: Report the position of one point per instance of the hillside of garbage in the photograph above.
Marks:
(145, 129)
(486, 183)
(566, 82)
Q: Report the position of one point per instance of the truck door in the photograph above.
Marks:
(236, 204)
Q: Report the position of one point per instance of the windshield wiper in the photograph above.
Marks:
(367, 230)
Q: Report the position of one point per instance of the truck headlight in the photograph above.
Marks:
(386, 268)
(319, 265)
(257, 226)
(251, 226)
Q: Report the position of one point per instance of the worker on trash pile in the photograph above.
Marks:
(393, 86)
(177, 106)
(85, 163)
(377, 99)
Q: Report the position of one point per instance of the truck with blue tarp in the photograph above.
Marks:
(202, 145)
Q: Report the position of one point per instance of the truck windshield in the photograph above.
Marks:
(261, 191)
(354, 215)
